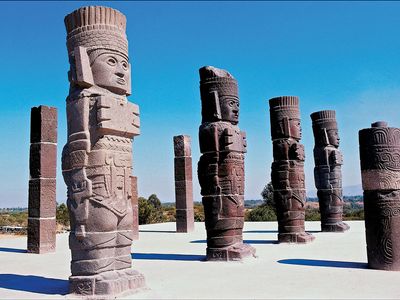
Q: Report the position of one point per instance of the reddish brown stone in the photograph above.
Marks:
(135, 207)
(97, 159)
(42, 195)
(221, 166)
(184, 194)
(183, 169)
(41, 235)
(43, 160)
(183, 184)
(287, 173)
(42, 185)
(327, 172)
(44, 124)
(380, 174)
(182, 146)
(184, 219)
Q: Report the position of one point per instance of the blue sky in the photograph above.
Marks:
(333, 55)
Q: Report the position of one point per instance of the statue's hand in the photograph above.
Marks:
(81, 186)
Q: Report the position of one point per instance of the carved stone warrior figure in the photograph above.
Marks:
(221, 166)
(380, 174)
(97, 159)
(288, 170)
(327, 171)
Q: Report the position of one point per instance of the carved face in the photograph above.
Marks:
(295, 128)
(229, 109)
(333, 136)
(111, 71)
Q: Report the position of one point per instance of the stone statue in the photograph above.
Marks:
(97, 159)
(221, 166)
(380, 174)
(288, 170)
(327, 171)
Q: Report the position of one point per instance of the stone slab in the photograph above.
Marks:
(43, 124)
(41, 235)
(42, 198)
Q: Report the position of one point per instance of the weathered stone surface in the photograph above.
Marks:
(135, 207)
(43, 124)
(288, 170)
(380, 154)
(43, 160)
(42, 183)
(42, 198)
(183, 184)
(97, 159)
(327, 172)
(221, 166)
(182, 146)
(184, 194)
(41, 235)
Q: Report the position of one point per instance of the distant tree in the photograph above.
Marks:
(267, 210)
(153, 199)
(62, 214)
(198, 212)
(268, 196)
(150, 210)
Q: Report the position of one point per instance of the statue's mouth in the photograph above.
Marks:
(121, 81)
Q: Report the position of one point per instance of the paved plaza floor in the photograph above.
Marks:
(334, 266)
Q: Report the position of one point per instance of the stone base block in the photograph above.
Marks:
(184, 220)
(235, 252)
(106, 285)
(41, 235)
(336, 227)
(295, 237)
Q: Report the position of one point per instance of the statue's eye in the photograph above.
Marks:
(111, 61)
(125, 65)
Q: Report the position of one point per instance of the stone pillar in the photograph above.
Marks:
(288, 170)
(97, 159)
(328, 170)
(42, 182)
(183, 184)
(135, 207)
(221, 166)
(380, 174)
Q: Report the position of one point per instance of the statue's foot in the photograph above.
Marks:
(235, 252)
(107, 285)
(336, 227)
(295, 237)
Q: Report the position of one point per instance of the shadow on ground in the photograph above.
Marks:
(275, 231)
(34, 284)
(324, 263)
(158, 231)
(244, 241)
(164, 256)
(13, 250)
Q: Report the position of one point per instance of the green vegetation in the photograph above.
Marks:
(62, 215)
(19, 218)
(353, 208)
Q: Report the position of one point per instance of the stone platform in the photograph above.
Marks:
(332, 267)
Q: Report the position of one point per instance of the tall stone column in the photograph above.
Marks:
(328, 170)
(221, 166)
(380, 174)
(183, 184)
(42, 182)
(97, 159)
(288, 170)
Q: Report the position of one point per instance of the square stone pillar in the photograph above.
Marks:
(183, 184)
(42, 182)
(135, 207)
